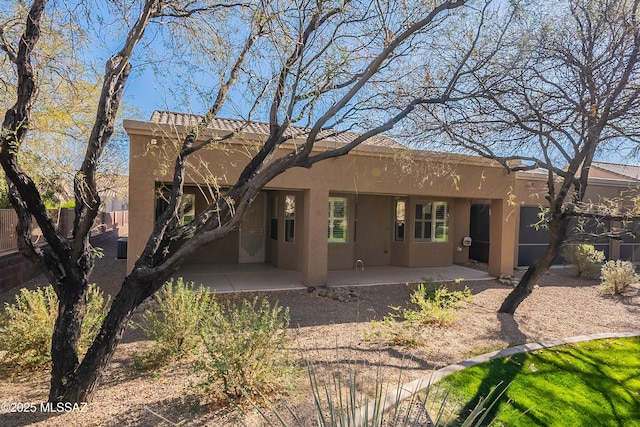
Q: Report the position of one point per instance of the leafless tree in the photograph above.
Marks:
(563, 86)
(313, 63)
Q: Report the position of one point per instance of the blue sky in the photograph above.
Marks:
(146, 94)
(145, 91)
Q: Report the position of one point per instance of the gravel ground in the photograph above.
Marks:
(332, 334)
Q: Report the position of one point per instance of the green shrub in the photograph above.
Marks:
(436, 304)
(389, 331)
(247, 351)
(94, 314)
(175, 326)
(617, 276)
(27, 325)
(585, 259)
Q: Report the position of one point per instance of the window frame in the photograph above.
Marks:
(187, 209)
(432, 222)
(273, 223)
(332, 219)
(289, 218)
(399, 220)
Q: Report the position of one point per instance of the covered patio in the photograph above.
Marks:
(223, 278)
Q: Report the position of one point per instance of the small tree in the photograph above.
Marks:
(561, 87)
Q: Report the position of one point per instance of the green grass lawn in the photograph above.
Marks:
(595, 383)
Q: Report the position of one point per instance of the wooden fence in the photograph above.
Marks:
(8, 220)
(64, 219)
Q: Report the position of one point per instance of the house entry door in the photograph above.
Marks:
(479, 231)
(252, 232)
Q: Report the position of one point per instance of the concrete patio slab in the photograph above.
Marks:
(389, 275)
(265, 277)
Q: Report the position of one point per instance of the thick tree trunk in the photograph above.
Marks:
(528, 281)
(558, 225)
(88, 374)
(71, 291)
(66, 333)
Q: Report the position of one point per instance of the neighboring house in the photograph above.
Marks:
(114, 192)
(629, 173)
(112, 188)
(383, 203)
(606, 181)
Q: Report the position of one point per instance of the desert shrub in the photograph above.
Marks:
(389, 331)
(586, 260)
(26, 327)
(247, 351)
(175, 325)
(616, 276)
(435, 303)
(94, 314)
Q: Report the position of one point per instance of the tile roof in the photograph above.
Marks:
(624, 171)
(261, 128)
(113, 186)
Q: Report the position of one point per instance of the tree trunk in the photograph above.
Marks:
(88, 374)
(558, 225)
(66, 333)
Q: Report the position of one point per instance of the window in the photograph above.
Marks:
(337, 219)
(289, 218)
(187, 209)
(399, 213)
(274, 217)
(431, 222)
(162, 200)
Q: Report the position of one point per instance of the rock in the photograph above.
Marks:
(338, 294)
(508, 280)
(504, 280)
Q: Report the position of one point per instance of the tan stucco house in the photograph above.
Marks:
(382, 204)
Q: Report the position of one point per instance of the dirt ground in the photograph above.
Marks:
(336, 335)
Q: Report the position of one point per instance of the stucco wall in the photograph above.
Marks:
(374, 229)
(531, 190)
(372, 176)
(460, 229)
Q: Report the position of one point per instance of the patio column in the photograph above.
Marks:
(501, 237)
(141, 197)
(614, 244)
(314, 245)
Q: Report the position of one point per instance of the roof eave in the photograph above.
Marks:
(146, 128)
